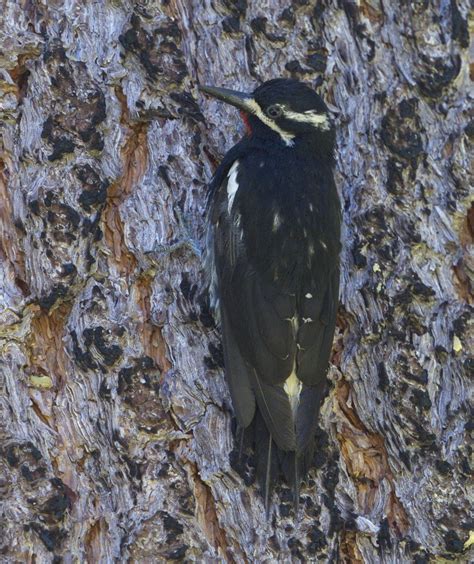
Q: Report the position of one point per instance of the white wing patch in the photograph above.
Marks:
(232, 185)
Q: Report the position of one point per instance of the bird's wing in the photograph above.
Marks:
(261, 338)
(221, 251)
(258, 349)
(315, 337)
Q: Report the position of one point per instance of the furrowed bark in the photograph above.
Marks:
(115, 422)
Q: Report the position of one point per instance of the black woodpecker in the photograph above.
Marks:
(273, 262)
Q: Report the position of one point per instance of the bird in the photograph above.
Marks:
(273, 261)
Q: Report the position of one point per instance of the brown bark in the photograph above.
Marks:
(115, 422)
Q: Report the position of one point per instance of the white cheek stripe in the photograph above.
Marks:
(255, 108)
(232, 185)
(310, 117)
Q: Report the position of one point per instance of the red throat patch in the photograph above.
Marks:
(245, 119)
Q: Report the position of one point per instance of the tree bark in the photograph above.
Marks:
(116, 425)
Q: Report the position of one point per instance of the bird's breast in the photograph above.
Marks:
(283, 207)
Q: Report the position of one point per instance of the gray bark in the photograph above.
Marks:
(115, 421)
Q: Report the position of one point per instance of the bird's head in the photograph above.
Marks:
(285, 107)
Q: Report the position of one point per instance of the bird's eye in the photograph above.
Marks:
(273, 111)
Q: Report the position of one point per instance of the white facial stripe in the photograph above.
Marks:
(310, 117)
(255, 109)
(232, 185)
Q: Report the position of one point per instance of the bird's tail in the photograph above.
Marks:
(273, 464)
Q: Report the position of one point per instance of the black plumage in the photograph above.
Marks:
(273, 259)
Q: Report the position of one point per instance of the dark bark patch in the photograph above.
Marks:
(317, 540)
(400, 130)
(68, 269)
(469, 129)
(51, 538)
(231, 24)
(459, 26)
(259, 24)
(188, 106)
(25, 452)
(443, 467)
(93, 197)
(360, 260)
(64, 216)
(173, 527)
(437, 74)
(11, 456)
(420, 378)
(452, 542)
(178, 553)
(84, 359)
(405, 458)
(242, 458)
(462, 323)
(54, 50)
(77, 110)
(47, 130)
(320, 456)
(205, 313)
(352, 13)
(34, 206)
(426, 440)
(134, 469)
(187, 288)
(421, 399)
(288, 16)
(104, 390)
(330, 481)
(251, 54)
(395, 183)
(139, 387)
(61, 146)
(56, 506)
(383, 377)
(20, 75)
(294, 67)
(317, 61)
(110, 353)
(215, 360)
(157, 50)
(420, 289)
(259, 27)
(47, 302)
(237, 7)
(383, 536)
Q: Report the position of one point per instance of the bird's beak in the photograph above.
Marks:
(240, 100)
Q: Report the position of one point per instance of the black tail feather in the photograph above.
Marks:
(273, 464)
(266, 459)
(268, 473)
(296, 484)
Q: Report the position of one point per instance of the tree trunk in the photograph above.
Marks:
(116, 425)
